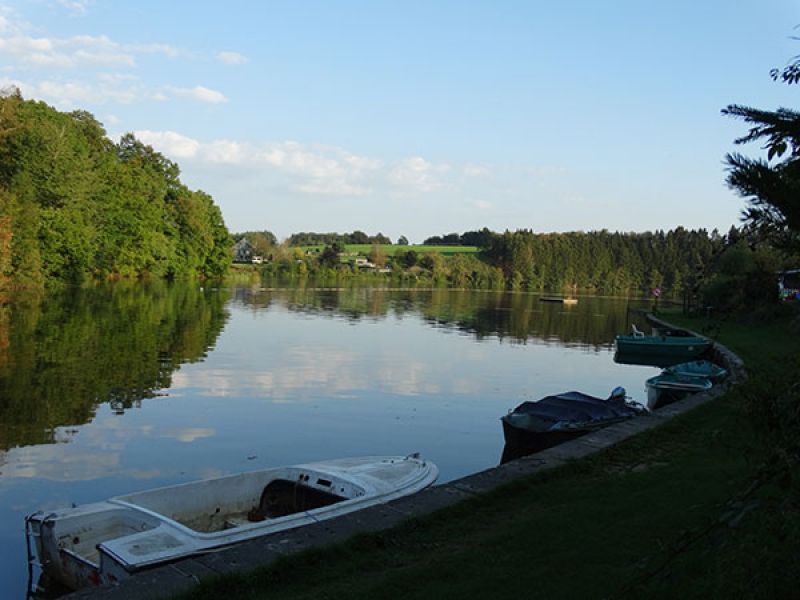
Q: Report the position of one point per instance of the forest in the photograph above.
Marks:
(677, 261)
(76, 205)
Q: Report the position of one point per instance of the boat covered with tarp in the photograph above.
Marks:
(106, 541)
(536, 425)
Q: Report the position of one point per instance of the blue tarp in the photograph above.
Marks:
(577, 407)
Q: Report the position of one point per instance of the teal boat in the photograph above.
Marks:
(672, 344)
(669, 387)
(699, 368)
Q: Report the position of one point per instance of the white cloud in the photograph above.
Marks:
(311, 168)
(68, 95)
(418, 174)
(165, 49)
(225, 152)
(323, 170)
(65, 52)
(78, 7)
(19, 47)
(106, 88)
(482, 204)
(23, 52)
(170, 143)
(231, 58)
(200, 93)
(476, 171)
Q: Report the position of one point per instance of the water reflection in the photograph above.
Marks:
(295, 376)
(516, 317)
(64, 354)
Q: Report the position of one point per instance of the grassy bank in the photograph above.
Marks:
(688, 510)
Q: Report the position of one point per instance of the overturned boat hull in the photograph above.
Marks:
(104, 542)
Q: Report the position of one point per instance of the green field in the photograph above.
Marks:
(392, 249)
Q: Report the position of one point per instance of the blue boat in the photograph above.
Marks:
(699, 368)
(669, 387)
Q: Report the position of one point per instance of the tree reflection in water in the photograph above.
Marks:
(64, 353)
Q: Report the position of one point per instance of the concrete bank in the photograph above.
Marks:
(166, 581)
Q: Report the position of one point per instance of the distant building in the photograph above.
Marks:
(242, 251)
(363, 263)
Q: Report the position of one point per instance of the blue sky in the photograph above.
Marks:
(418, 118)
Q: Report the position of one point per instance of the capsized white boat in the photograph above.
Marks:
(106, 541)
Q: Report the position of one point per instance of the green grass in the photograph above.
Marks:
(762, 345)
(662, 515)
(392, 249)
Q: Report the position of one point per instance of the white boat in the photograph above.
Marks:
(670, 387)
(106, 541)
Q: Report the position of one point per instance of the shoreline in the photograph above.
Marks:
(174, 578)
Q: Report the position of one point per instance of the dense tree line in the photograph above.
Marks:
(74, 204)
(482, 239)
(676, 261)
(356, 237)
(604, 261)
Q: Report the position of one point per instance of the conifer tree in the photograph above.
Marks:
(771, 185)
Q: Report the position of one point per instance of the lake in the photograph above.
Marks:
(125, 387)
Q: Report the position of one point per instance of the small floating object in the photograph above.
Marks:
(104, 542)
(559, 299)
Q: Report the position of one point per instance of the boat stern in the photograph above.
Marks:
(64, 544)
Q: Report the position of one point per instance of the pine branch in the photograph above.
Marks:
(780, 127)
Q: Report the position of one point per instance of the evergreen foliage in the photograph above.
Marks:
(75, 205)
(603, 261)
(771, 186)
(481, 239)
(677, 261)
(307, 238)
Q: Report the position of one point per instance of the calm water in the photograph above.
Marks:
(129, 387)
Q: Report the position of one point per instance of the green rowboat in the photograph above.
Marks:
(672, 346)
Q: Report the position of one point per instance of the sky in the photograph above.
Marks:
(422, 117)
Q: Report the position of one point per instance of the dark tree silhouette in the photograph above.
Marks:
(771, 185)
